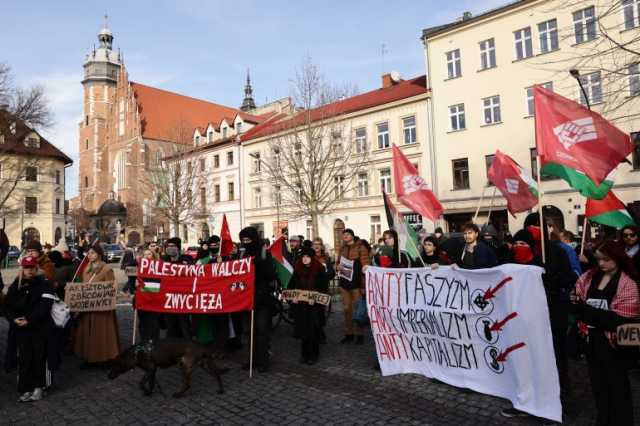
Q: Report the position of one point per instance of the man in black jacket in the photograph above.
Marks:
(28, 307)
(265, 276)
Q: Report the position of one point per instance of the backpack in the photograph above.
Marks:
(60, 312)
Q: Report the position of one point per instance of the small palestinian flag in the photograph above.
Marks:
(284, 270)
(151, 285)
(408, 239)
(609, 211)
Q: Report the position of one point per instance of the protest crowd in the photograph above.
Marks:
(589, 289)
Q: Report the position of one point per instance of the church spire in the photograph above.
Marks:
(248, 103)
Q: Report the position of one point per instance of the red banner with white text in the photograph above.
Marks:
(195, 289)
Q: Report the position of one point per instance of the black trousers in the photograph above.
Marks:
(149, 325)
(178, 326)
(262, 335)
(32, 359)
(559, 319)
(310, 349)
(11, 349)
(611, 390)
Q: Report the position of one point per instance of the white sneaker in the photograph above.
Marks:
(37, 394)
(25, 397)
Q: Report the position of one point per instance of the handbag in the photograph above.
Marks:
(360, 314)
(60, 312)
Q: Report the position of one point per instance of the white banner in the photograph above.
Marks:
(486, 330)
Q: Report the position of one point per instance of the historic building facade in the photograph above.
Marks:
(482, 69)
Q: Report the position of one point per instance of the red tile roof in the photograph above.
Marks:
(15, 145)
(402, 90)
(161, 111)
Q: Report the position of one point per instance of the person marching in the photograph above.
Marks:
(309, 274)
(178, 325)
(327, 263)
(431, 254)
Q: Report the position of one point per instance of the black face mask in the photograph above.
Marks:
(214, 250)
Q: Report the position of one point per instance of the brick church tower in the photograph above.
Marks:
(101, 71)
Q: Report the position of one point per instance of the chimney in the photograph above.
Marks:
(387, 81)
(466, 16)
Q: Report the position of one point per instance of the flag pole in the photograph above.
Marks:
(542, 243)
(418, 251)
(493, 197)
(135, 325)
(584, 234)
(475, 216)
(251, 347)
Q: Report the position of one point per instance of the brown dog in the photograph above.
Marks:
(149, 356)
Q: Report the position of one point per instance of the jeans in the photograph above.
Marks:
(349, 299)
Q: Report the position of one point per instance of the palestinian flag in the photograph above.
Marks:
(407, 237)
(151, 285)
(515, 183)
(576, 144)
(284, 270)
(609, 211)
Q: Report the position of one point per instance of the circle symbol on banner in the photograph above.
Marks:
(479, 304)
(483, 328)
(233, 286)
(490, 355)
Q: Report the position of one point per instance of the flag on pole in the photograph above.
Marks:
(609, 211)
(515, 183)
(284, 270)
(226, 243)
(576, 144)
(407, 237)
(411, 189)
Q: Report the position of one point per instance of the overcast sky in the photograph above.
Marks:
(202, 48)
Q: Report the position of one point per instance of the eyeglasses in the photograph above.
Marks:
(629, 235)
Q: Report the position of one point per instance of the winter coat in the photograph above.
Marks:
(360, 255)
(308, 318)
(25, 299)
(483, 257)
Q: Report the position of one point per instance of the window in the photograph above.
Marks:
(31, 174)
(383, 135)
(530, 101)
(548, 31)
(1, 138)
(257, 163)
(635, 155)
(533, 153)
(456, 117)
(584, 24)
(216, 161)
(86, 182)
(238, 127)
(58, 176)
(276, 195)
(216, 193)
(524, 45)
(488, 159)
(86, 144)
(298, 152)
(57, 205)
(631, 11)
(32, 142)
(454, 68)
(487, 54)
(491, 107)
(31, 205)
(203, 165)
(361, 140)
(230, 190)
(376, 228)
(230, 158)
(460, 173)
(197, 140)
(338, 183)
(210, 136)
(224, 132)
(257, 198)
(203, 198)
(409, 129)
(363, 184)
(634, 80)
(189, 168)
(593, 86)
(385, 181)
(159, 155)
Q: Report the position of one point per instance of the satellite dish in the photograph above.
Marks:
(395, 76)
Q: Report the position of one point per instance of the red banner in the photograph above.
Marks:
(196, 289)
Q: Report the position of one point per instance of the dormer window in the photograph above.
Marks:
(239, 127)
(210, 136)
(197, 140)
(12, 128)
(224, 132)
(32, 142)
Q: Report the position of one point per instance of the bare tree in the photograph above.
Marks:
(172, 180)
(312, 163)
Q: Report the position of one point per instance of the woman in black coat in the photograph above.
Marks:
(394, 258)
(309, 274)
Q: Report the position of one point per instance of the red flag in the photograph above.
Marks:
(515, 184)
(226, 243)
(571, 135)
(412, 190)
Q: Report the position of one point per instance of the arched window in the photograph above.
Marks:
(120, 171)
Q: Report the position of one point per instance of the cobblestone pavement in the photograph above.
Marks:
(342, 389)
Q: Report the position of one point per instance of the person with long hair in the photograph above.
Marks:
(431, 254)
(389, 255)
(606, 297)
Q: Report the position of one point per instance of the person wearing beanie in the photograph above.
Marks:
(96, 337)
(45, 265)
(295, 245)
(178, 325)
(264, 302)
(209, 327)
(308, 274)
(28, 308)
(352, 290)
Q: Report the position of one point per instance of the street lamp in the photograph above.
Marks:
(576, 74)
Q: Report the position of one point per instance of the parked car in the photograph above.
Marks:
(192, 251)
(13, 253)
(113, 252)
